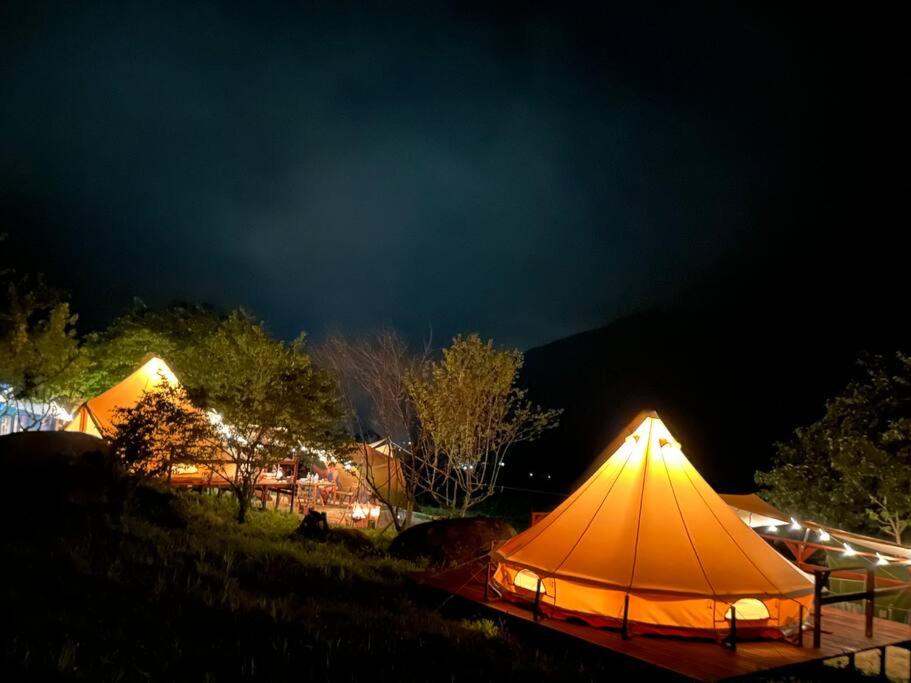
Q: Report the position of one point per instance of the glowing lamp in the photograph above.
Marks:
(849, 551)
(881, 560)
(772, 529)
(375, 512)
(358, 512)
(795, 525)
(823, 535)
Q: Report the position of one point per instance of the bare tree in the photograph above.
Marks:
(372, 375)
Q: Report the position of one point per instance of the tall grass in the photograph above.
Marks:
(124, 599)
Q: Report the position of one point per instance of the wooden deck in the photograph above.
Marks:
(843, 634)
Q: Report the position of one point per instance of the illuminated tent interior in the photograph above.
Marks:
(96, 416)
(646, 537)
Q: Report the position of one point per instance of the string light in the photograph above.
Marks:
(771, 529)
(794, 524)
(849, 551)
(823, 535)
(881, 560)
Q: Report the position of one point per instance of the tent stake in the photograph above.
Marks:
(489, 574)
(538, 601)
(625, 629)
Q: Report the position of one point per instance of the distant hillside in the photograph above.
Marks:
(728, 384)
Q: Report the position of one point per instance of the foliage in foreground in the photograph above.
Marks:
(198, 597)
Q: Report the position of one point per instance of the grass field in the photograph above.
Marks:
(120, 597)
(169, 587)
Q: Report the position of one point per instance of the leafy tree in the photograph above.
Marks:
(163, 428)
(471, 412)
(272, 401)
(40, 360)
(852, 467)
(171, 333)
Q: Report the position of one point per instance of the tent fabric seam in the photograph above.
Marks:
(648, 448)
(567, 504)
(733, 540)
(686, 527)
(595, 513)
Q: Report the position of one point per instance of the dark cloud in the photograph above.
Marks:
(526, 173)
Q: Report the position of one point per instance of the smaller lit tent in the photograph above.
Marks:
(382, 470)
(646, 541)
(96, 416)
(754, 511)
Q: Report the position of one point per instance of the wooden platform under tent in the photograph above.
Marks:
(843, 635)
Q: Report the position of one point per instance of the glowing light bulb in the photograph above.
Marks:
(772, 529)
(881, 560)
(795, 525)
(823, 535)
(849, 551)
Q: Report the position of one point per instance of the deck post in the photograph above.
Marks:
(293, 485)
(538, 601)
(869, 587)
(733, 636)
(800, 627)
(625, 628)
(882, 662)
(817, 610)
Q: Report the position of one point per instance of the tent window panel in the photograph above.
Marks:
(529, 581)
(748, 609)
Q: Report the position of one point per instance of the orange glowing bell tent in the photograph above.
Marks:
(646, 541)
(96, 416)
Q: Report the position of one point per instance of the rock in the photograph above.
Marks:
(449, 542)
(60, 476)
(315, 527)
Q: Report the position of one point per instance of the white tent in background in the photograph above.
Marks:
(754, 511)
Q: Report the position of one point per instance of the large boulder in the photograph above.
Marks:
(450, 542)
(58, 476)
(35, 449)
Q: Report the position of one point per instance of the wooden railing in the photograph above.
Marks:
(868, 595)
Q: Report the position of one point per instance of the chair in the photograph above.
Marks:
(306, 496)
(346, 496)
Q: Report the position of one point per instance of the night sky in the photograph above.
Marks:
(523, 171)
